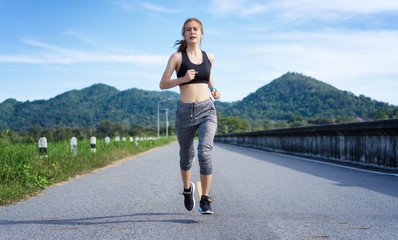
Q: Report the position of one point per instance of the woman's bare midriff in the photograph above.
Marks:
(195, 92)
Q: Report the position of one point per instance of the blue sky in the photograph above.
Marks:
(48, 47)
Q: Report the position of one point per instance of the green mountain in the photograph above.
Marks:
(86, 108)
(296, 94)
(290, 95)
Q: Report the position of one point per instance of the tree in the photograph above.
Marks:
(378, 115)
(35, 131)
(269, 124)
(63, 133)
(345, 119)
(232, 125)
(136, 130)
(106, 128)
(320, 121)
(297, 121)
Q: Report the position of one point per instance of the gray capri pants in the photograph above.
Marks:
(190, 117)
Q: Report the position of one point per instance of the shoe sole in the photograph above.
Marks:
(208, 212)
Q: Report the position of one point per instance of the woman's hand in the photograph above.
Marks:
(215, 93)
(190, 75)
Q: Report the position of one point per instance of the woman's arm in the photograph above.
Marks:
(174, 61)
(214, 92)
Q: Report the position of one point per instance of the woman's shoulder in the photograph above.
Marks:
(210, 56)
(176, 56)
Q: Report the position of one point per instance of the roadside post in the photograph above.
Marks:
(43, 146)
(73, 145)
(93, 142)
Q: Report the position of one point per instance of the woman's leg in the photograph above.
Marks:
(205, 181)
(185, 139)
(186, 178)
(206, 132)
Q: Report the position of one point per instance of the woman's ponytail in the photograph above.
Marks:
(182, 43)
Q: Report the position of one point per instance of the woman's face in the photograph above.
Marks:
(193, 32)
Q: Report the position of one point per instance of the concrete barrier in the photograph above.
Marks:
(372, 144)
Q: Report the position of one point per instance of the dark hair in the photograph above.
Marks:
(183, 43)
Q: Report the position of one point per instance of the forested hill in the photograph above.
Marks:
(295, 94)
(86, 108)
(290, 95)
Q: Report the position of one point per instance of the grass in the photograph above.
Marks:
(24, 172)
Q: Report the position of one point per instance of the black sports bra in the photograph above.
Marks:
(203, 69)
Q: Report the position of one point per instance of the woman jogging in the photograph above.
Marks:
(195, 110)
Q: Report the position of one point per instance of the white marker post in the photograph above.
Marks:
(123, 139)
(131, 139)
(136, 140)
(107, 140)
(93, 142)
(73, 145)
(43, 146)
(117, 139)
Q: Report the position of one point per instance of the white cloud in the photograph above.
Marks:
(82, 37)
(51, 47)
(363, 62)
(238, 7)
(134, 5)
(350, 54)
(126, 5)
(85, 57)
(332, 9)
(307, 9)
(255, 9)
(362, 7)
(55, 54)
(158, 8)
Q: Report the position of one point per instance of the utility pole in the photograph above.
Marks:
(158, 111)
(167, 122)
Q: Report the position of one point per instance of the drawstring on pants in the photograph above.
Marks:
(193, 110)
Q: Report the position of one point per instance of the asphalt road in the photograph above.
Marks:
(256, 195)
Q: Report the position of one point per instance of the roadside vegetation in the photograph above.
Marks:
(23, 171)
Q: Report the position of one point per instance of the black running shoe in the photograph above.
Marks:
(189, 200)
(205, 207)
